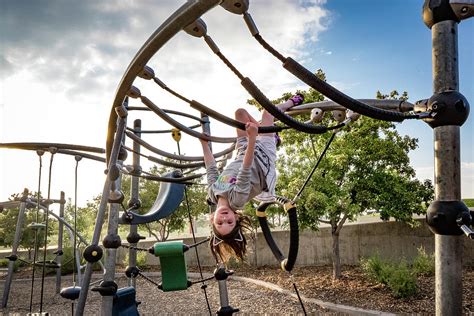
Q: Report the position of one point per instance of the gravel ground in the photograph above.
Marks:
(249, 298)
(315, 283)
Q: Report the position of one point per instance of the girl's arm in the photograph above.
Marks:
(210, 162)
(252, 132)
(240, 195)
(208, 156)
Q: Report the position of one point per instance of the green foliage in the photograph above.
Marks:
(402, 281)
(141, 259)
(16, 265)
(469, 202)
(67, 261)
(376, 269)
(423, 263)
(399, 278)
(4, 263)
(366, 167)
(8, 222)
(85, 217)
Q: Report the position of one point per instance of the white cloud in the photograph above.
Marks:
(62, 61)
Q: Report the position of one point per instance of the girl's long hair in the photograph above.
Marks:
(233, 244)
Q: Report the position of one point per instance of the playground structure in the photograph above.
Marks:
(445, 112)
(38, 203)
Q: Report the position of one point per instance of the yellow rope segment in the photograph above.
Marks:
(289, 205)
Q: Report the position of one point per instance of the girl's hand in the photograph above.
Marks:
(251, 129)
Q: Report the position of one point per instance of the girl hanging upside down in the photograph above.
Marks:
(251, 175)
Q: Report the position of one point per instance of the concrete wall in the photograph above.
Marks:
(391, 240)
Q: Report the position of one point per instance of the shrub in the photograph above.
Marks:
(397, 276)
(16, 266)
(141, 259)
(67, 261)
(424, 264)
(376, 269)
(402, 281)
(4, 263)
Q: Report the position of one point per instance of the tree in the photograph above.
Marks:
(85, 217)
(366, 167)
(8, 221)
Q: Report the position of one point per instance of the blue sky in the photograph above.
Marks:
(61, 62)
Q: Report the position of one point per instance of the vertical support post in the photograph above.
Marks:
(62, 202)
(448, 249)
(134, 195)
(111, 253)
(206, 126)
(15, 245)
(119, 132)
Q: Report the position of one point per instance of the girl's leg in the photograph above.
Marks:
(243, 116)
(267, 118)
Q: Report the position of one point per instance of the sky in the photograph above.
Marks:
(61, 62)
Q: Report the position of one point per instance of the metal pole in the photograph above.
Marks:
(121, 125)
(60, 242)
(448, 249)
(134, 196)
(16, 244)
(111, 253)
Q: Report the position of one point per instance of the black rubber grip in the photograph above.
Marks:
(337, 96)
(294, 239)
(269, 239)
(284, 118)
(294, 234)
(231, 122)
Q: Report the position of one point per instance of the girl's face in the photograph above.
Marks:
(224, 220)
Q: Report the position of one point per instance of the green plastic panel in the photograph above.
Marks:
(174, 275)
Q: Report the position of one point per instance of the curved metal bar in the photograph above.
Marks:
(163, 179)
(141, 108)
(10, 204)
(46, 146)
(172, 156)
(216, 115)
(62, 220)
(332, 93)
(182, 17)
(231, 122)
(176, 165)
(168, 163)
(83, 155)
(258, 95)
(288, 120)
(329, 105)
(163, 131)
(182, 127)
(193, 166)
(322, 86)
(200, 120)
